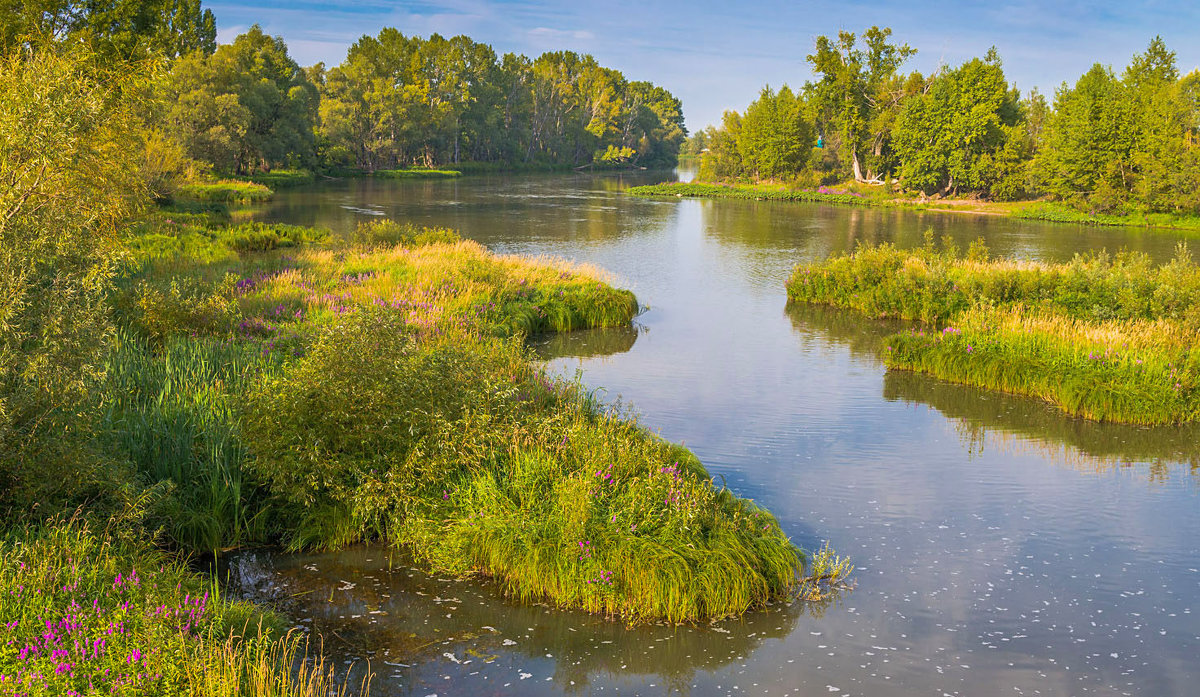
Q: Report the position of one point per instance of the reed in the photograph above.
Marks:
(174, 414)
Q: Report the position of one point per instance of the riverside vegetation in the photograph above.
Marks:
(1108, 150)
(174, 380)
(1105, 337)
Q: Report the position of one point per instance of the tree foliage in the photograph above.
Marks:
(117, 29)
(400, 100)
(246, 107)
(1107, 144)
(959, 134)
(70, 175)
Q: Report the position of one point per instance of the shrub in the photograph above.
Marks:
(224, 191)
(458, 447)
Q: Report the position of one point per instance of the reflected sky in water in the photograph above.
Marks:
(1003, 549)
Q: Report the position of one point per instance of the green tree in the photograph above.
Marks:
(246, 107)
(120, 29)
(723, 160)
(70, 176)
(775, 138)
(955, 137)
(857, 98)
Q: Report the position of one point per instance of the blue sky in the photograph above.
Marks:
(717, 55)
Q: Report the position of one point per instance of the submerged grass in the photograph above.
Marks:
(1105, 338)
(88, 612)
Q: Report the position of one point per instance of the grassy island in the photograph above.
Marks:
(754, 192)
(1110, 338)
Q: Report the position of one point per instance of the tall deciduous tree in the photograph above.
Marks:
(858, 96)
(955, 137)
(117, 29)
(248, 106)
(775, 139)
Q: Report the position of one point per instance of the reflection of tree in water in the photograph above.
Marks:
(1013, 424)
(364, 610)
(1022, 425)
(586, 343)
(840, 327)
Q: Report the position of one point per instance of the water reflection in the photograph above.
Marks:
(984, 419)
(1019, 425)
(587, 343)
(372, 609)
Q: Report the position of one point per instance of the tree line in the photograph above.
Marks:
(1108, 143)
(395, 100)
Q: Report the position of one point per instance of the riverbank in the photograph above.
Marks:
(447, 438)
(1104, 338)
(852, 195)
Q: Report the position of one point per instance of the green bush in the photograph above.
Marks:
(262, 237)
(458, 447)
(185, 305)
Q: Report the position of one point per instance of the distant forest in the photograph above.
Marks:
(1107, 143)
(395, 101)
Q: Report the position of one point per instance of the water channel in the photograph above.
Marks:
(1002, 548)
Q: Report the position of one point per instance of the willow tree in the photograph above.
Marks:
(70, 176)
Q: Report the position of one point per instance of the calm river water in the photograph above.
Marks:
(1002, 549)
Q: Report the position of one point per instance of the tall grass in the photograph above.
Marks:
(416, 173)
(1132, 371)
(440, 284)
(283, 178)
(174, 415)
(1104, 337)
(89, 612)
(458, 447)
(933, 285)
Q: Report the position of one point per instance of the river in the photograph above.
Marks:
(1002, 548)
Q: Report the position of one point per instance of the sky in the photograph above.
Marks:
(715, 56)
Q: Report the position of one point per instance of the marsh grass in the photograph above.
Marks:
(1132, 371)
(416, 173)
(173, 413)
(224, 191)
(1062, 213)
(438, 284)
(1110, 338)
(88, 612)
(283, 178)
(456, 446)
